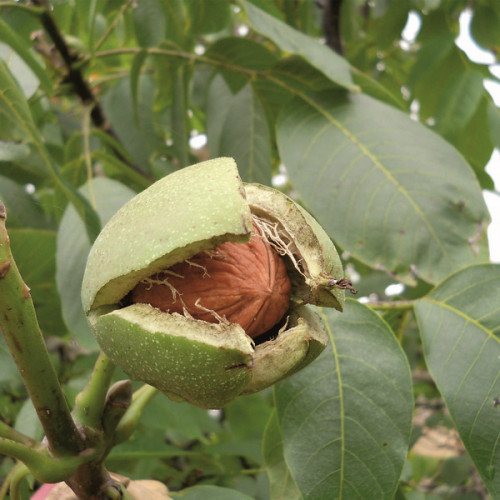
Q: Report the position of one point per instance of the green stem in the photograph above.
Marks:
(19, 325)
(6, 431)
(130, 420)
(86, 152)
(112, 25)
(117, 403)
(392, 305)
(13, 482)
(89, 403)
(4, 489)
(45, 468)
(402, 325)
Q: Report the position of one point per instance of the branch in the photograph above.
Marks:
(81, 86)
(331, 25)
(19, 326)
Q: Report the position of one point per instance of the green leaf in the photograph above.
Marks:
(292, 41)
(244, 135)
(438, 62)
(282, 484)
(346, 418)
(141, 139)
(476, 144)
(11, 38)
(27, 421)
(14, 107)
(175, 18)
(485, 26)
(296, 73)
(206, 492)
(238, 55)
(218, 93)
(73, 246)
(377, 90)
(34, 251)
(22, 208)
(149, 22)
(117, 169)
(238, 411)
(135, 75)
(165, 77)
(180, 422)
(16, 123)
(207, 16)
(459, 323)
(459, 103)
(494, 121)
(11, 151)
(388, 19)
(180, 126)
(394, 194)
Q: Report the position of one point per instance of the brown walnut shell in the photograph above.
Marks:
(243, 283)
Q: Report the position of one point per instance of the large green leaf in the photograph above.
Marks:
(240, 131)
(485, 25)
(236, 56)
(281, 482)
(149, 23)
(22, 208)
(438, 63)
(459, 323)
(9, 36)
(218, 93)
(73, 247)
(346, 418)
(12, 151)
(388, 190)
(476, 144)
(292, 41)
(459, 102)
(207, 16)
(140, 137)
(16, 123)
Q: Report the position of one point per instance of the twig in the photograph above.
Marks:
(391, 305)
(74, 76)
(89, 403)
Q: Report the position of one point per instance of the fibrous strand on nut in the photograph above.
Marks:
(243, 283)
